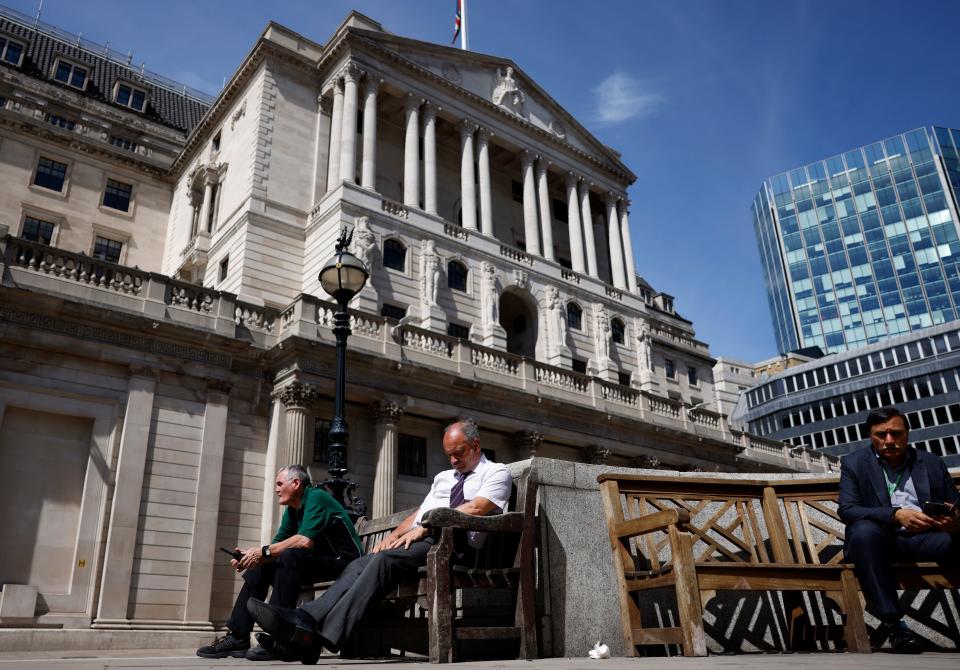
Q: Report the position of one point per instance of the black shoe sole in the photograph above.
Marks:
(226, 654)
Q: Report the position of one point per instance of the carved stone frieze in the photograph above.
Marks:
(451, 73)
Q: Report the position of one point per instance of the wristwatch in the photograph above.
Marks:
(265, 552)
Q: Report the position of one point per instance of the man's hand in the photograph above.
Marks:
(949, 523)
(405, 540)
(251, 559)
(914, 521)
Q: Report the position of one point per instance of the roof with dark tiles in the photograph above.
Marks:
(165, 106)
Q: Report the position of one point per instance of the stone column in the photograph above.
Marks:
(430, 157)
(348, 128)
(546, 218)
(411, 159)
(530, 231)
(203, 549)
(483, 167)
(573, 224)
(468, 181)
(125, 512)
(586, 216)
(336, 121)
(296, 398)
(269, 510)
(527, 442)
(207, 204)
(368, 171)
(618, 276)
(628, 247)
(387, 415)
(324, 108)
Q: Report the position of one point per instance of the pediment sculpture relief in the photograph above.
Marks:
(507, 93)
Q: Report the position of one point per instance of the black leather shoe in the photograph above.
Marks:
(271, 650)
(905, 641)
(228, 645)
(286, 626)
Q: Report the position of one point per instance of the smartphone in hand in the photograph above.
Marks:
(938, 509)
(235, 555)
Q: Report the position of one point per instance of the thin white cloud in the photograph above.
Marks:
(620, 97)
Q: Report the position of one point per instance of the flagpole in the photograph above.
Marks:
(463, 25)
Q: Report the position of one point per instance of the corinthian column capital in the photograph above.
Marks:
(296, 395)
(387, 411)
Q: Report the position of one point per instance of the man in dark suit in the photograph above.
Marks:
(882, 492)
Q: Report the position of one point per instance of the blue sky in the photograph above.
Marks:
(704, 99)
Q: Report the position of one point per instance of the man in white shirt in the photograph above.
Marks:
(473, 485)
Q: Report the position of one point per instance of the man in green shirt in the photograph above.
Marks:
(315, 542)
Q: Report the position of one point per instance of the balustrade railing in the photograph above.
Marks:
(255, 317)
(621, 395)
(190, 296)
(495, 361)
(516, 255)
(428, 342)
(560, 378)
(395, 208)
(75, 267)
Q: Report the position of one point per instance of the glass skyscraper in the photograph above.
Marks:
(863, 245)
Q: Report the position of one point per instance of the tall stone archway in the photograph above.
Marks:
(518, 317)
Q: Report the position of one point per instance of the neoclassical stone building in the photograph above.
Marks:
(157, 379)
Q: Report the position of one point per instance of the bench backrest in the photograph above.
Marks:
(752, 521)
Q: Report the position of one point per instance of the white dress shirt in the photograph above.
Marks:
(488, 480)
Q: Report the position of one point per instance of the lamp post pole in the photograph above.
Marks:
(342, 277)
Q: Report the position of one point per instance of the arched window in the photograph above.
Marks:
(394, 255)
(574, 316)
(617, 330)
(457, 276)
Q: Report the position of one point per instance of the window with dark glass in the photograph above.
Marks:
(516, 191)
(617, 331)
(393, 311)
(131, 97)
(11, 52)
(215, 142)
(623, 378)
(61, 121)
(457, 276)
(50, 174)
(692, 378)
(412, 455)
(36, 230)
(224, 267)
(669, 369)
(579, 365)
(574, 316)
(321, 440)
(123, 143)
(458, 330)
(117, 195)
(394, 255)
(105, 249)
(70, 74)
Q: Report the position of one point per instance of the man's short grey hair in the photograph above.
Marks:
(292, 472)
(468, 427)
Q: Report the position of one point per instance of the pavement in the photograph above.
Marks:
(185, 658)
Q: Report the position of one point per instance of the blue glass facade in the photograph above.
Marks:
(863, 245)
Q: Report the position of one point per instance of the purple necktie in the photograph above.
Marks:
(456, 493)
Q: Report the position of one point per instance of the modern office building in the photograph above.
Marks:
(864, 245)
(822, 404)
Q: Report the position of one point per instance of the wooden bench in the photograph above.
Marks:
(422, 615)
(698, 536)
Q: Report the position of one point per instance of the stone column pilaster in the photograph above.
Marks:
(296, 398)
(530, 227)
(430, 157)
(574, 231)
(348, 132)
(586, 217)
(205, 520)
(483, 167)
(336, 121)
(628, 247)
(125, 512)
(546, 217)
(528, 442)
(207, 204)
(324, 108)
(468, 180)
(411, 159)
(368, 170)
(387, 416)
(618, 276)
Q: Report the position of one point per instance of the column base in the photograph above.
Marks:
(647, 382)
(433, 318)
(367, 300)
(492, 336)
(604, 369)
(560, 358)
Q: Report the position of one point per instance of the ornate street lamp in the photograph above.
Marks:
(342, 277)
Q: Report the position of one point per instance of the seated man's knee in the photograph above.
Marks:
(866, 535)
(290, 559)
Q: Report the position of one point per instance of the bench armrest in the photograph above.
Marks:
(651, 522)
(444, 517)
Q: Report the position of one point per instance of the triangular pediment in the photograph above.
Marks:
(502, 83)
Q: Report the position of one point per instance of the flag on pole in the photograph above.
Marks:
(456, 22)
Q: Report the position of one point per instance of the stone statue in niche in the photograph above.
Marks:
(489, 300)
(644, 347)
(363, 242)
(429, 274)
(601, 334)
(507, 93)
(556, 318)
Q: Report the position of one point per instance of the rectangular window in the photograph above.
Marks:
(215, 142)
(516, 191)
(692, 377)
(117, 195)
(11, 52)
(579, 365)
(105, 249)
(393, 311)
(623, 378)
(72, 75)
(321, 441)
(458, 330)
(36, 230)
(123, 143)
(669, 369)
(128, 96)
(50, 174)
(412, 455)
(61, 121)
(224, 268)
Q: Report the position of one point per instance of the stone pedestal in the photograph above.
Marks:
(493, 336)
(432, 317)
(18, 601)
